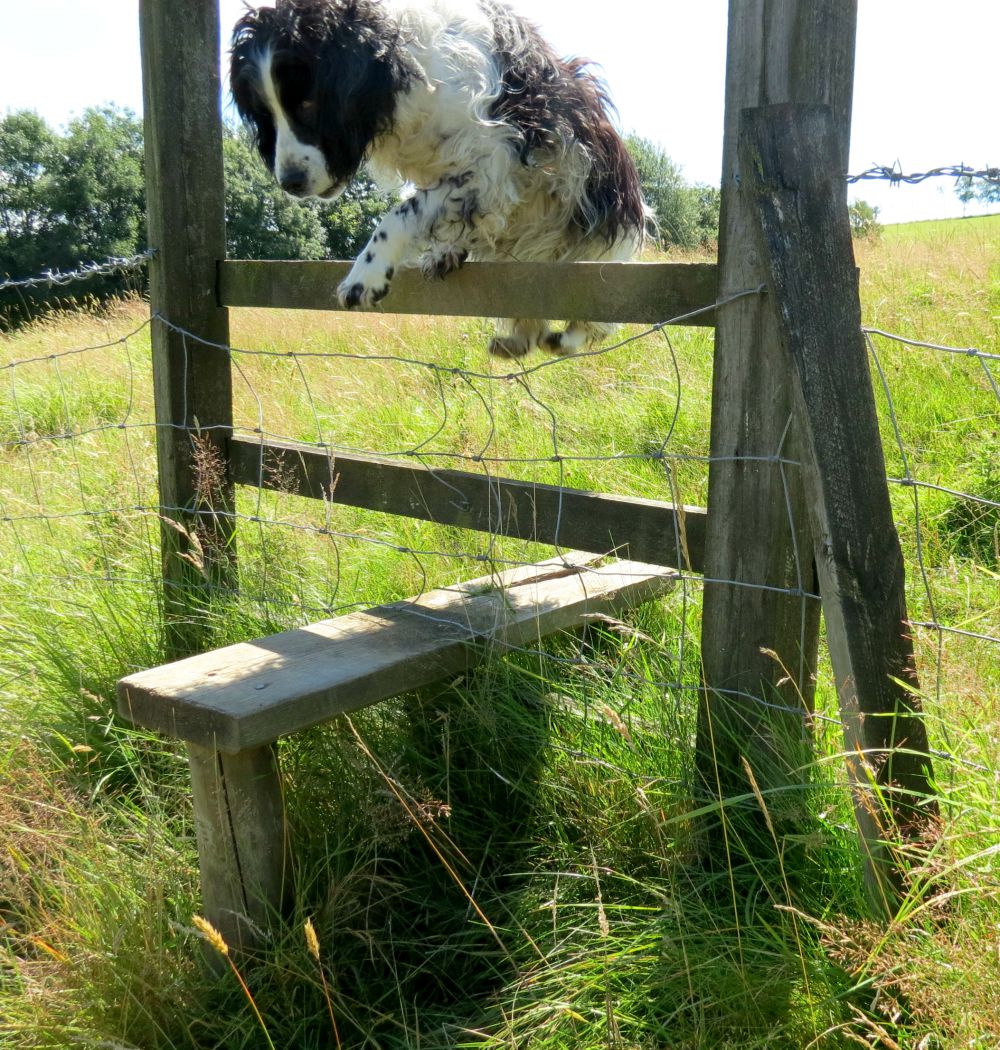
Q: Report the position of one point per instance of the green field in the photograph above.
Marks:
(504, 860)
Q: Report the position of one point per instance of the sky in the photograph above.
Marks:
(925, 87)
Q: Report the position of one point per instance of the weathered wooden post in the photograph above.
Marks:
(790, 164)
(234, 795)
(760, 631)
(192, 382)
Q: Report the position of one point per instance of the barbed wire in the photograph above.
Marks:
(117, 264)
(894, 175)
(84, 272)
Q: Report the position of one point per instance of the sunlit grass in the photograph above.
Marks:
(557, 786)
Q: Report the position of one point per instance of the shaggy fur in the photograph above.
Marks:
(509, 149)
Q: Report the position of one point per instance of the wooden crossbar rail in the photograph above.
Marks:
(646, 530)
(640, 293)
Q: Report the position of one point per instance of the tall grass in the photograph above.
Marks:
(506, 859)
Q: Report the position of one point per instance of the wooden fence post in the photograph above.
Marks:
(791, 169)
(759, 633)
(192, 382)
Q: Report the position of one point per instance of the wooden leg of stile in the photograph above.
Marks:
(242, 843)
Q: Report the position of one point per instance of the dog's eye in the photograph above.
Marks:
(306, 108)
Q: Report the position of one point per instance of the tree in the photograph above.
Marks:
(708, 200)
(864, 219)
(351, 220)
(28, 163)
(965, 190)
(685, 215)
(98, 193)
(968, 189)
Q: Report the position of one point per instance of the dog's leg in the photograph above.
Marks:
(578, 336)
(522, 338)
(446, 210)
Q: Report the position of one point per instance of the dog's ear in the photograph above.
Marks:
(252, 35)
(253, 31)
(360, 70)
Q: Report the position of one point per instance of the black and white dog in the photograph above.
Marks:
(509, 150)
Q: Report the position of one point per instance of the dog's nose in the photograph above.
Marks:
(294, 182)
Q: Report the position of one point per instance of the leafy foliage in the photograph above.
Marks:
(79, 196)
(67, 199)
(864, 219)
(686, 216)
(968, 189)
(28, 161)
(351, 221)
(99, 189)
(262, 221)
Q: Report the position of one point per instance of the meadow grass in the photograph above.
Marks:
(505, 859)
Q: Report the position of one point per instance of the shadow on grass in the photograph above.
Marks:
(511, 870)
(506, 860)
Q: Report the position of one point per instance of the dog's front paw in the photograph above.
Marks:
(366, 284)
(509, 346)
(355, 293)
(437, 264)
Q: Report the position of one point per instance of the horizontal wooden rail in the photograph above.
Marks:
(640, 293)
(644, 530)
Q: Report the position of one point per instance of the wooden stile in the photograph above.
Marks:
(787, 367)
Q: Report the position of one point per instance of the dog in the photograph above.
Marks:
(507, 150)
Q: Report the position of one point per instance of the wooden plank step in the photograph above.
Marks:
(250, 694)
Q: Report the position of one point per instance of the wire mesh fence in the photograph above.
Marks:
(951, 533)
(80, 517)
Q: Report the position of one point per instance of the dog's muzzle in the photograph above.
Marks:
(295, 182)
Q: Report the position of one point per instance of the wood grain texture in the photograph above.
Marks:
(790, 162)
(250, 694)
(643, 530)
(760, 643)
(242, 844)
(186, 209)
(627, 292)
